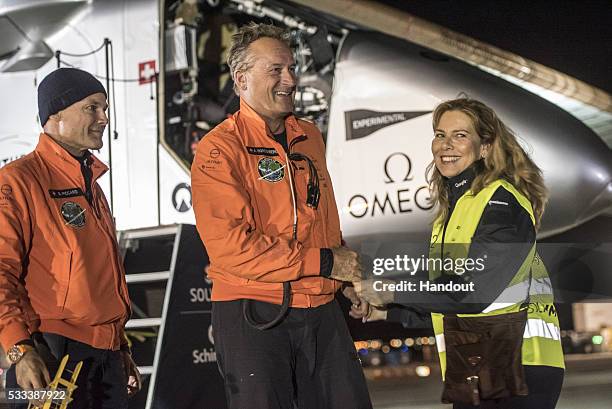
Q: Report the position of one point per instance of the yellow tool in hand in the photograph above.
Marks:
(59, 391)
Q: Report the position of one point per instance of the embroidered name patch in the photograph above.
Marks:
(62, 194)
(261, 151)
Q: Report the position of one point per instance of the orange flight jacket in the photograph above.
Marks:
(243, 203)
(60, 269)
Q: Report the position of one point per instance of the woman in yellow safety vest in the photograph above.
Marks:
(483, 268)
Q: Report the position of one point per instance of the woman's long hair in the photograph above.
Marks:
(506, 159)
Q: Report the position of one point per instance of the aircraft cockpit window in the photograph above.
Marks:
(197, 85)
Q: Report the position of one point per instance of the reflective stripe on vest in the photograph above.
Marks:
(539, 328)
(535, 328)
(518, 292)
(541, 340)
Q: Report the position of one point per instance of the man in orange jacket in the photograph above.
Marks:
(62, 283)
(266, 212)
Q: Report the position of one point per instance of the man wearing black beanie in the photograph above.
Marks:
(62, 282)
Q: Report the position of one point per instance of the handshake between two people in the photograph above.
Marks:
(367, 303)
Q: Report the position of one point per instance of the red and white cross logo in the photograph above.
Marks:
(146, 72)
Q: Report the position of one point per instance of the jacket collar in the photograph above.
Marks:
(51, 152)
(458, 185)
(247, 118)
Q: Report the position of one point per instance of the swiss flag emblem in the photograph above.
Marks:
(146, 72)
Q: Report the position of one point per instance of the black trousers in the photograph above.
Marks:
(308, 361)
(544, 383)
(102, 382)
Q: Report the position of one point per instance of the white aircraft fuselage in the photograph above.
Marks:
(378, 93)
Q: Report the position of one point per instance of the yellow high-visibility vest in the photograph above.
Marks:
(542, 337)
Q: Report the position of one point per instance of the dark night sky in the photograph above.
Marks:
(574, 37)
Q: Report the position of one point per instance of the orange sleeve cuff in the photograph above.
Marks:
(13, 333)
(312, 262)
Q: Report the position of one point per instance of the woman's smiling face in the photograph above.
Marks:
(456, 145)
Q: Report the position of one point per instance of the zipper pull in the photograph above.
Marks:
(473, 382)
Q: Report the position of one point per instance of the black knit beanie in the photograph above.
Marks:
(62, 88)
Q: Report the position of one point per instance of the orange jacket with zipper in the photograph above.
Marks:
(60, 270)
(245, 215)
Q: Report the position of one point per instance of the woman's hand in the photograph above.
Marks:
(376, 314)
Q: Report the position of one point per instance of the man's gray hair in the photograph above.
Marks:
(238, 58)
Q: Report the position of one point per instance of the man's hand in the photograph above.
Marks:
(32, 373)
(347, 266)
(359, 308)
(365, 291)
(131, 374)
